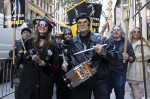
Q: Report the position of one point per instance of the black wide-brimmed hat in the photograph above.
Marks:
(25, 29)
(37, 18)
(48, 23)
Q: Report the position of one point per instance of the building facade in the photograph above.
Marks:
(1, 6)
(127, 9)
(52, 7)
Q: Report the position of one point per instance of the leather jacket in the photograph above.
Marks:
(99, 61)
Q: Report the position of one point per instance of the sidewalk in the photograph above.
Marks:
(127, 91)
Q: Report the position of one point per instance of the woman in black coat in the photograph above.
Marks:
(41, 56)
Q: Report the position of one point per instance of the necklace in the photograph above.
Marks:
(42, 37)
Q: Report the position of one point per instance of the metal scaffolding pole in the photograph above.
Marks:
(141, 8)
(144, 20)
(142, 50)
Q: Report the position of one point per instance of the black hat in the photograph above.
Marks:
(48, 23)
(66, 29)
(25, 29)
(83, 15)
(37, 18)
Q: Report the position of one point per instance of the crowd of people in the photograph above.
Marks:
(46, 59)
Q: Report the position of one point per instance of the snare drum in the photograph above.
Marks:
(79, 74)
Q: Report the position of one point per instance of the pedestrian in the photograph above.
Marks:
(42, 54)
(62, 91)
(36, 21)
(57, 74)
(135, 69)
(67, 36)
(58, 38)
(100, 58)
(17, 69)
(118, 70)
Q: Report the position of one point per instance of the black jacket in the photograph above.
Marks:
(64, 50)
(37, 81)
(18, 56)
(119, 66)
(99, 61)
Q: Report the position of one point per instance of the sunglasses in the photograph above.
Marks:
(80, 23)
(136, 31)
(67, 34)
(42, 25)
(116, 29)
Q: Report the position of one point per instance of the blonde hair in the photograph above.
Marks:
(131, 37)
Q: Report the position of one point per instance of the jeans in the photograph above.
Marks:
(98, 87)
(117, 81)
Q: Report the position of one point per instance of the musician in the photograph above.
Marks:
(118, 70)
(41, 56)
(100, 58)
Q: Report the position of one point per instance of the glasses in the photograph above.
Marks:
(43, 25)
(67, 34)
(116, 29)
(80, 23)
(136, 31)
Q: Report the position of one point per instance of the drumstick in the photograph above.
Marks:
(23, 44)
(87, 50)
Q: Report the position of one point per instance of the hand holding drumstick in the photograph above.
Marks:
(99, 49)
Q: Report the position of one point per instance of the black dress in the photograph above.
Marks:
(37, 81)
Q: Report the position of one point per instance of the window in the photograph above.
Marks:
(57, 6)
(31, 14)
(37, 14)
(37, 2)
(50, 10)
(41, 4)
(47, 6)
(44, 5)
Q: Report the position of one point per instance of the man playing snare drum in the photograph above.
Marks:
(100, 57)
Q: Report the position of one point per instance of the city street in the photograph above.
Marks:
(127, 94)
(74, 39)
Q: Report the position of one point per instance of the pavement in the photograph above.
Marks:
(127, 92)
